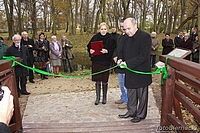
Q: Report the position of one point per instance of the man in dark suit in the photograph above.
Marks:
(29, 43)
(135, 54)
(19, 50)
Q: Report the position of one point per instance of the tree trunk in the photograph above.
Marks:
(72, 19)
(81, 16)
(103, 10)
(53, 18)
(45, 15)
(9, 15)
(160, 20)
(125, 5)
(93, 14)
(144, 14)
(19, 16)
(166, 15)
(176, 12)
(33, 18)
(76, 16)
(68, 16)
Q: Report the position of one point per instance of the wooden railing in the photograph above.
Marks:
(180, 91)
(7, 78)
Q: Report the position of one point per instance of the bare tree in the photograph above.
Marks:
(53, 18)
(81, 15)
(8, 4)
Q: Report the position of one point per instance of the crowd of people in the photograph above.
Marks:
(42, 51)
(183, 41)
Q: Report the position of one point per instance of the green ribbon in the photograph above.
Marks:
(12, 58)
(158, 71)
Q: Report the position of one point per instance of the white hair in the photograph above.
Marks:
(53, 37)
(24, 32)
(15, 36)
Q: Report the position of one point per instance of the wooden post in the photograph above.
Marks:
(7, 78)
(167, 93)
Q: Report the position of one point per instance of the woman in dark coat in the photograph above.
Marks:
(186, 44)
(42, 53)
(167, 44)
(102, 61)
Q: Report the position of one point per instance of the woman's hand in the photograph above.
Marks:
(92, 51)
(104, 51)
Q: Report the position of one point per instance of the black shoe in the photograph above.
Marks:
(25, 93)
(45, 77)
(136, 119)
(19, 94)
(31, 81)
(127, 115)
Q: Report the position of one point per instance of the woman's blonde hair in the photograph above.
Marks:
(103, 24)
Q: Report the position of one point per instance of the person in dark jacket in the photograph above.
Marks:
(167, 44)
(178, 39)
(193, 34)
(29, 43)
(135, 55)
(6, 110)
(102, 61)
(42, 53)
(3, 48)
(195, 50)
(121, 72)
(19, 50)
(186, 44)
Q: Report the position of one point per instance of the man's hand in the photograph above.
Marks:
(115, 59)
(6, 106)
(119, 61)
(122, 64)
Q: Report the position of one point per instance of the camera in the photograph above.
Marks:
(1, 94)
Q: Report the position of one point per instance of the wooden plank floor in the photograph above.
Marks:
(145, 126)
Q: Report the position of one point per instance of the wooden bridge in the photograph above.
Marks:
(181, 88)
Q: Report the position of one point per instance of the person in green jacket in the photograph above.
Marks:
(3, 48)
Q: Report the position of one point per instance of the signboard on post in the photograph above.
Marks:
(177, 52)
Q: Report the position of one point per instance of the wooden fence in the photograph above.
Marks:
(180, 92)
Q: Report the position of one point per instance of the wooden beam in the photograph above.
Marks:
(188, 79)
(187, 92)
(189, 67)
(187, 104)
(167, 93)
(179, 126)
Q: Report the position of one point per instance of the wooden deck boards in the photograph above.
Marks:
(145, 126)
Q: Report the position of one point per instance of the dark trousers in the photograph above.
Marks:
(195, 60)
(65, 65)
(31, 75)
(22, 82)
(153, 60)
(30, 72)
(138, 101)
